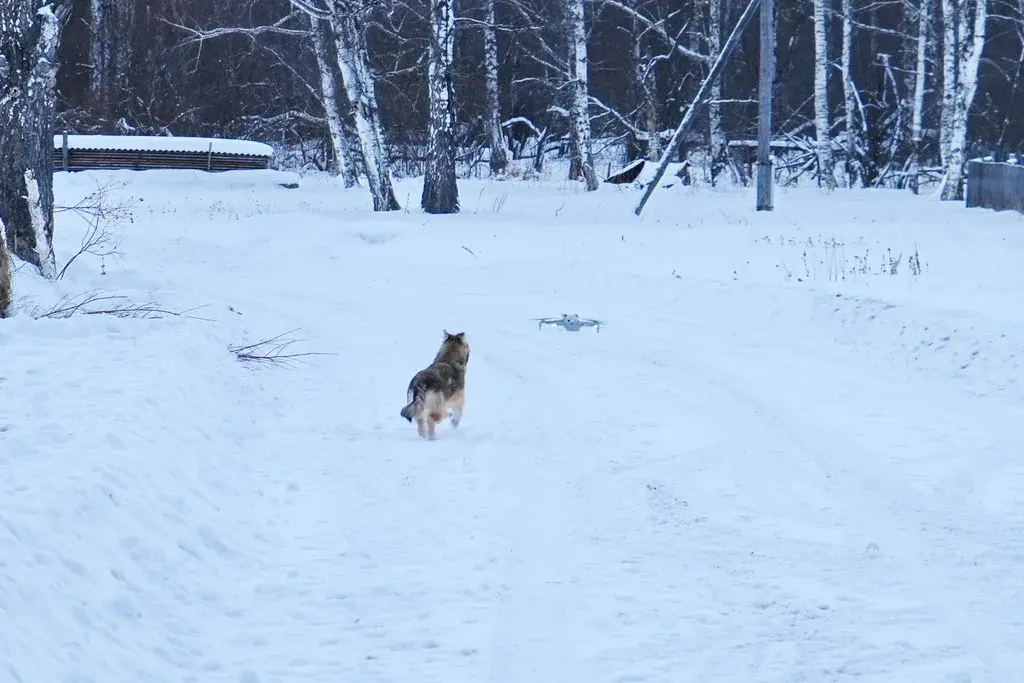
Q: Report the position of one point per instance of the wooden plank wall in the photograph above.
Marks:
(90, 159)
(995, 186)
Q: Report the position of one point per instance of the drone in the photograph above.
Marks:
(570, 323)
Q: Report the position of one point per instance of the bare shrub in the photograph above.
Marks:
(103, 212)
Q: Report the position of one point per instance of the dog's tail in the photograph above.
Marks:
(415, 398)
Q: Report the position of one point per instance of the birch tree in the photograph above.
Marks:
(109, 49)
(917, 115)
(339, 41)
(719, 146)
(342, 147)
(645, 86)
(440, 188)
(579, 94)
(963, 42)
(354, 65)
(499, 150)
(826, 165)
(849, 95)
(29, 37)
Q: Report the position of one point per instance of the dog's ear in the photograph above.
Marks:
(461, 336)
(447, 336)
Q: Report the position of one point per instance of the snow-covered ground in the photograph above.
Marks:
(781, 460)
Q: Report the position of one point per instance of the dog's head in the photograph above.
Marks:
(455, 347)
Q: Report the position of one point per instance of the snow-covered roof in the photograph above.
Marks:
(160, 143)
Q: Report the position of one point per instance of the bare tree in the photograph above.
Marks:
(917, 116)
(826, 165)
(579, 94)
(849, 95)
(499, 150)
(340, 22)
(440, 188)
(29, 37)
(110, 50)
(645, 88)
(963, 43)
(342, 147)
(719, 146)
(346, 21)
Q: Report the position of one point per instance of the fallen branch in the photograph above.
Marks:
(273, 351)
(95, 303)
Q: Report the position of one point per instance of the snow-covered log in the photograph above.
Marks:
(440, 188)
(579, 94)
(29, 37)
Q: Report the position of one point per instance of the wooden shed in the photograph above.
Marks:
(140, 152)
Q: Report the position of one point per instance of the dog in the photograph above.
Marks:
(438, 387)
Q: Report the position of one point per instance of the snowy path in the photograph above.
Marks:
(932, 514)
(710, 489)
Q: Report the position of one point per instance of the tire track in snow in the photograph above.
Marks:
(531, 619)
(894, 516)
(657, 574)
(791, 473)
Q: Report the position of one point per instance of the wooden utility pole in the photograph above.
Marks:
(765, 198)
(699, 100)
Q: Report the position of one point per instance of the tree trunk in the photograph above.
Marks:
(109, 51)
(950, 55)
(719, 146)
(826, 170)
(917, 117)
(327, 67)
(961, 59)
(5, 274)
(354, 66)
(499, 150)
(647, 140)
(652, 117)
(440, 188)
(29, 36)
(353, 155)
(579, 94)
(849, 95)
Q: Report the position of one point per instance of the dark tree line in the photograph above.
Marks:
(867, 92)
(140, 70)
